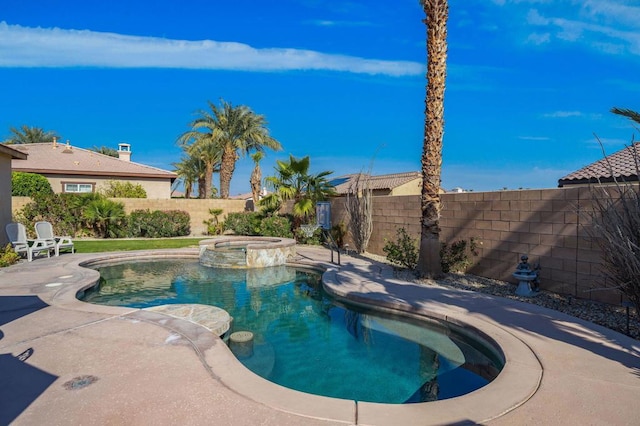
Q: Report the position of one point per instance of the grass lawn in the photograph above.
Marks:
(95, 246)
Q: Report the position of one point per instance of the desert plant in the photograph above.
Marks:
(359, 205)
(456, 257)
(28, 184)
(403, 251)
(116, 189)
(8, 256)
(338, 233)
(214, 226)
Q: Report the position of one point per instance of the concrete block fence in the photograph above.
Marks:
(548, 225)
(198, 209)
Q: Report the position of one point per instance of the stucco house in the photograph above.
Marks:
(7, 156)
(407, 183)
(73, 169)
(621, 166)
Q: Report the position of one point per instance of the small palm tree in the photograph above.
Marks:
(105, 216)
(293, 182)
(203, 144)
(26, 134)
(190, 171)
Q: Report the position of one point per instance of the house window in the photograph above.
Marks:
(78, 187)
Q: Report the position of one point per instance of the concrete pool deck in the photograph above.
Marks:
(66, 361)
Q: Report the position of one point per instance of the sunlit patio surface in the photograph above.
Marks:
(63, 361)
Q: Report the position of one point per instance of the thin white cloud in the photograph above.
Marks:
(534, 138)
(329, 23)
(54, 47)
(563, 114)
(606, 27)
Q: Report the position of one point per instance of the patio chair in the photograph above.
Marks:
(18, 237)
(44, 231)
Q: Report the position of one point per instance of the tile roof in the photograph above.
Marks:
(389, 181)
(11, 152)
(61, 159)
(619, 165)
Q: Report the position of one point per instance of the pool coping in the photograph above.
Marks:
(516, 383)
(360, 282)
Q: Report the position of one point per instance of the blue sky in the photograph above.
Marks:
(529, 81)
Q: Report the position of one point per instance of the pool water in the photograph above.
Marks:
(305, 340)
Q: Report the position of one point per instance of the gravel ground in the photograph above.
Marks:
(610, 316)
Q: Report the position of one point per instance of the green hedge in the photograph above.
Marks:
(159, 224)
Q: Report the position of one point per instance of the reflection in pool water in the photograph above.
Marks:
(305, 340)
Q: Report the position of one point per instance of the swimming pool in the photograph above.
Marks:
(305, 340)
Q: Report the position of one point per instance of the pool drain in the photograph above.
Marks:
(80, 382)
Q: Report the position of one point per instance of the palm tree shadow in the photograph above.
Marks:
(20, 382)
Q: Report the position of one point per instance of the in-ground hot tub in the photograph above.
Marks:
(246, 252)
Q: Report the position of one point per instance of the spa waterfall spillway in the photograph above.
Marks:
(246, 252)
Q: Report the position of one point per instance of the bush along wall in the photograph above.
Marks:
(158, 223)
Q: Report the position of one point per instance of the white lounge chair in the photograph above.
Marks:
(18, 237)
(44, 231)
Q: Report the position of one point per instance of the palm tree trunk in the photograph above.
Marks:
(437, 12)
(227, 166)
(256, 182)
(208, 180)
(202, 187)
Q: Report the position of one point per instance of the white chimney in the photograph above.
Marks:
(124, 151)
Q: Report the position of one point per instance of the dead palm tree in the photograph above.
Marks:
(437, 13)
(256, 178)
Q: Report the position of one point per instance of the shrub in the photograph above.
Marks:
(158, 223)
(29, 184)
(105, 216)
(312, 240)
(8, 256)
(456, 257)
(403, 251)
(116, 189)
(338, 232)
(245, 223)
(276, 226)
(63, 211)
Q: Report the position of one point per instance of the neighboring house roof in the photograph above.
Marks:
(13, 153)
(49, 158)
(379, 182)
(621, 165)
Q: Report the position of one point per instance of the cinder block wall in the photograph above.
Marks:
(198, 209)
(544, 224)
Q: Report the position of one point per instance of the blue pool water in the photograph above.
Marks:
(305, 340)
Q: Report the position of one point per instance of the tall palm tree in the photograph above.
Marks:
(242, 131)
(256, 178)
(26, 134)
(203, 142)
(437, 13)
